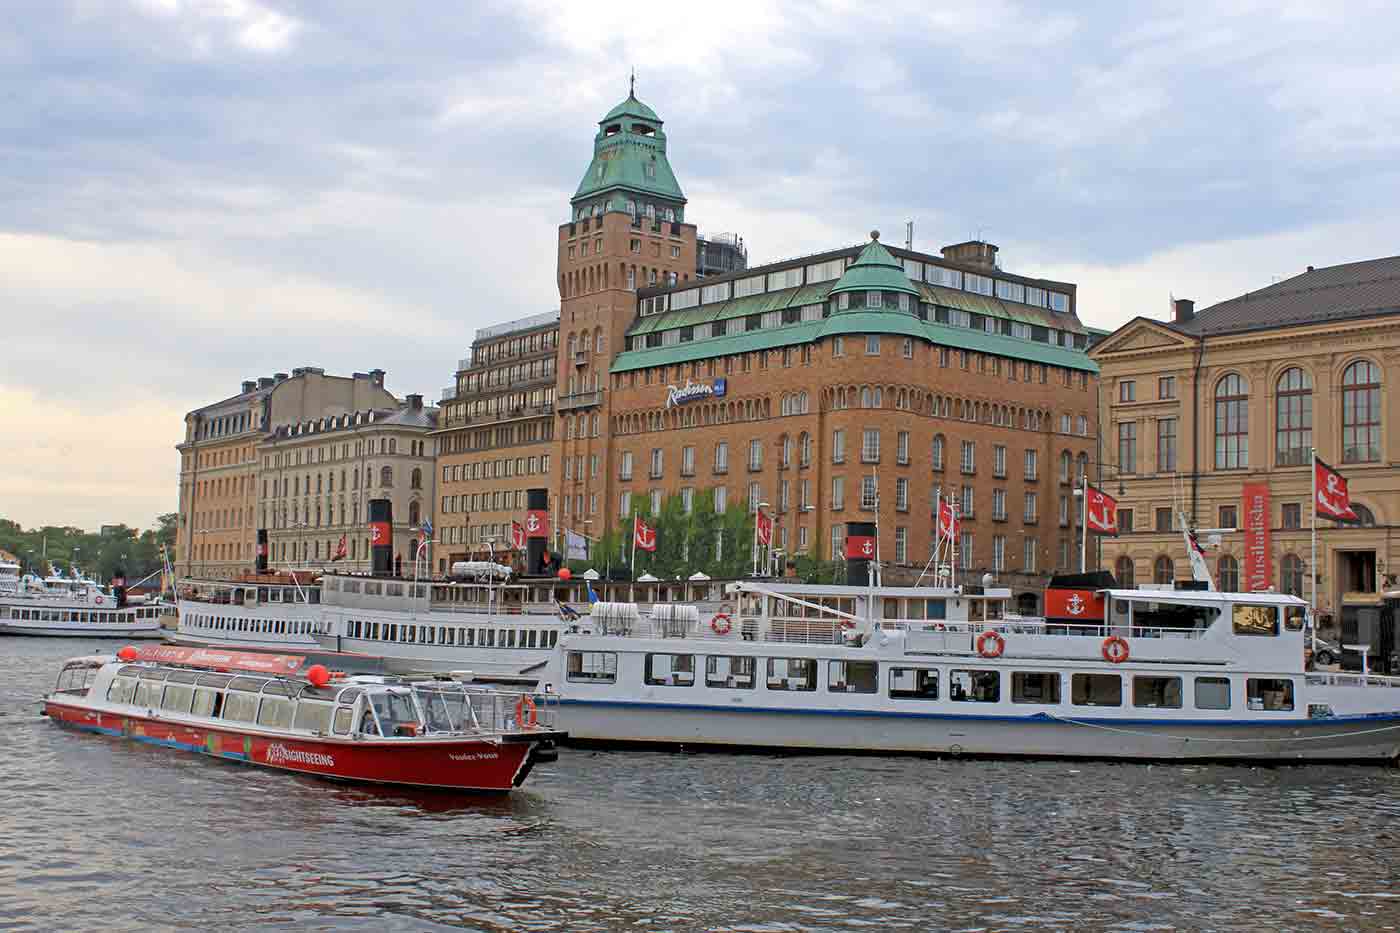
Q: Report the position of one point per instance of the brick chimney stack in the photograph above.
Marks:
(1185, 310)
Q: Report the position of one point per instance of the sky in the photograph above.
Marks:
(198, 192)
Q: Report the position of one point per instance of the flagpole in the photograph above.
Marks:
(1312, 562)
(1083, 520)
(753, 554)
(632, 586)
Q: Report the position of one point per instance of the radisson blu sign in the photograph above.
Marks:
(694, 392)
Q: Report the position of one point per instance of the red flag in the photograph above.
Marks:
(517, 536)
(860, 547)
(340, 549)
(948, 523)
(1333, 499)
(765, 529)
(1101, 512)
(537, 523)
(643, 534)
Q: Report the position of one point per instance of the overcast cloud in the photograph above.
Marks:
(196, 192)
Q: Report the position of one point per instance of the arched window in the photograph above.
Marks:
(1227, 574)
(1361, 413)
(1364, 516)
(415, 480)
(1163, 570)
(1290, 574)
(1293, 421)
(802, 403)
(804, 449)
(386, 476)
(1231, 423)
(1083, 464)
(1123, 572)
(787, 450)
(938, 450)
(1066, 464)
(413, 514)
(393, 445)
(866, 399)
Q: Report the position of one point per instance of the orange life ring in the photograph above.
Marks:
(1115, 649)
(990, 644)
(721, 624)
(940, 627)
(525, 715)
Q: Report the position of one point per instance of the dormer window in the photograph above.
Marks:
(873, 300)
(650, 169)
(641, 129)
(612, 130)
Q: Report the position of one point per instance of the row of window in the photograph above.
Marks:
(301, 485)
(366, 447)
(98, 616)
(217, 696)
(1292, 573)
(503, 468)
(461, 636)
(910, 682)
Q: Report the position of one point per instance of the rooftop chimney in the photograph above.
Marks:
(415, 402)
(249, 385)
(972, 253)
(279, 377)
(1185, 309)
(264, 382)
(378, 376)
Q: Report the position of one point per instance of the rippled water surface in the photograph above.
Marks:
(101, 834)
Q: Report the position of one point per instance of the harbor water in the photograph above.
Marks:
(102, 834)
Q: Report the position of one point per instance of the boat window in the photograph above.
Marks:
(240, 706)
(331, 583)
(489, 639)
(730, 672)
(214, 680)
(206, 702)
(350, 586)
(1171, 615)
(1295, 617)
(533, 636)
(312, 715)
(277, 688)
(396, 712)
(177, 698)
(148, 693)
(1035, 687)
(971, 686)
(1269, 693)
(1212, 693)
(914, 683)
(343, 717)
(853, 677)
(670, 670)
(122, 689)
(974, 613)
(275, 712)
(393, 589)
(182, 677)
(1157, 692)
(592, 666)
(1096, 690)
(792, 674)
(466, 636)
(373, 589)
(1255, 620)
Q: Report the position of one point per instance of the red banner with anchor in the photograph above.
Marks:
(1073, 605)
(860, 547)
(380, 534)
(537, 523)
(1333, 497)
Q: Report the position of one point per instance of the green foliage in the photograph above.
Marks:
(97, 555)
(678, 534)
(813, 570)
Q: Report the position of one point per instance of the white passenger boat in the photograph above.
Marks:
(75, 607)
(9, 578)
(1167, 674)
(269, 613)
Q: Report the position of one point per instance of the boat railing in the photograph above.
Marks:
(1351, 680)
(465, 708)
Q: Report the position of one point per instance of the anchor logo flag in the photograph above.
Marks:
(1333, 499)
(537, 523)
(860, 547)
(765, 529)
(643, 534)
(947, 520)
(1100, 512)
(517, 536)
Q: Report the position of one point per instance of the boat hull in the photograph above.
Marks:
(84, 630)
(455, 763)
(398, 658)
(1041, 735)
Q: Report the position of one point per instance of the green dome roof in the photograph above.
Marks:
(875, 269)
(631, 107)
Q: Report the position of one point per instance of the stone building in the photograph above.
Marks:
(1200, 408)
(219, 462)
(495, 435)
(318, 475)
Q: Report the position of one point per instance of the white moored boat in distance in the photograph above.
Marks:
(271, 612)
(1166, 674)
(74, 607)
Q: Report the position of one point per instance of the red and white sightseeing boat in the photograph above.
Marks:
(265, 710)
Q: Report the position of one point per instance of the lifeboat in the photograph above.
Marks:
(275, 712)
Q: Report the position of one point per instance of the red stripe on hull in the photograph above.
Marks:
(456, 763)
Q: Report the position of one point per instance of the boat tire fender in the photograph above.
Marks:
(990, 644)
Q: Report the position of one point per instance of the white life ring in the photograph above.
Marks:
(721, 623)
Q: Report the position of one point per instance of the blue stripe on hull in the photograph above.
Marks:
(1040, 718)
(151, 740)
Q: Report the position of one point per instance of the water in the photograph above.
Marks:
(101, 834)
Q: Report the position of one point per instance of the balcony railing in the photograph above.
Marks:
(580, 400)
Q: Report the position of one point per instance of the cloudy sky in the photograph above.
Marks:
(195, 192)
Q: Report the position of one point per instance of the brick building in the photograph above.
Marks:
(495, 435)
(1239, 393)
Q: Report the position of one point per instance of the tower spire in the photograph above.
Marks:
(632, 83)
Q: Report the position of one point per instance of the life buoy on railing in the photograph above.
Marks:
(940, 627)
(525, 715)
(721, 623)
(990, 644)
(99, 600)
(847, 624)
(1115, 649)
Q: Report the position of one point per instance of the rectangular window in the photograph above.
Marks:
(792, 674)
(1157, 692)
(1292, 515)
(1127, 447)
(901, 448)
(1127, 390)
(1032, 465)
(729, 672)
(721, 499)
(1229, 517)
(599, 667)
(670, 670)
(1031, 546)
(1035, 687)
(1096, 690)
(999, 553)
(838, 446)
(1166, 387)
(974, 686)
(853, 677)
(1269, 693)
(722, 457)
(901, 545)
(1125, 521)
(913, 683)
(625, 470)
(755, 454)
(998, 505)
(969, 457)
(869, 494)
(872, 341)
(1212, 693)
(1164, 521)
(656, 463)
(901, 494)
(1032, 511)
(870, 446)
(1254, 620)
(838, 493)
(1166, 445)
(687, 461)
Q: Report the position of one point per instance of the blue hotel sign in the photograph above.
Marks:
(694, 392)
